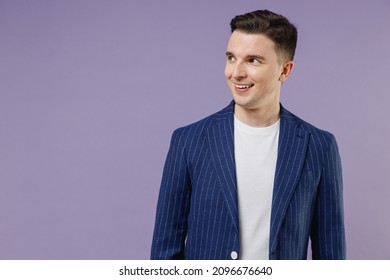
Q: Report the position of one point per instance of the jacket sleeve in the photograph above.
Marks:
(170, 228)
(328, 234)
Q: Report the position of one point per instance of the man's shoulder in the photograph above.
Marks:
(315, 132)
(200, 126)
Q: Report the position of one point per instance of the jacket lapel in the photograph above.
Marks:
(221, 143)
(292, 149)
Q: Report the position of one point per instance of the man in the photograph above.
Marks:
(252, 181)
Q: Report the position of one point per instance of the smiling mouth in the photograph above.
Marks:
(243, 86)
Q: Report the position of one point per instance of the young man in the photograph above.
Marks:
(252, 181)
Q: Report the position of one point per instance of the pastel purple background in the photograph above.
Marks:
(90, 92)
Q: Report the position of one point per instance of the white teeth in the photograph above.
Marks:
(243, 87)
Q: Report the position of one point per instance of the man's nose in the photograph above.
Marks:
(239, 71)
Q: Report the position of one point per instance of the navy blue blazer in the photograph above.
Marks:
(197, 210)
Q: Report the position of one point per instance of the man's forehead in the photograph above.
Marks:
(246, 44)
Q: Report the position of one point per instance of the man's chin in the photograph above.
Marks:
(242, 101)
(242, 105)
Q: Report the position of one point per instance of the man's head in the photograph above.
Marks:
(259, 59)
(275, 27)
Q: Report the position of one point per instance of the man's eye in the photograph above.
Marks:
(230, 58)
(254, 61)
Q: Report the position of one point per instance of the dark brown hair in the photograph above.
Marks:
(276, 27)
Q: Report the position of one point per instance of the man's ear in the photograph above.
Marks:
(287, 67)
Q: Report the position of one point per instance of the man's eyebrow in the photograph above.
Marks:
(248, 56)
(256, 56)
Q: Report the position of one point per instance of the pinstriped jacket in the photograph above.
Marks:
(197, 209)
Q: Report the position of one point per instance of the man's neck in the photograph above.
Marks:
(259, 117)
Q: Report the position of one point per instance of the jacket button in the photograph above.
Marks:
(234, 255)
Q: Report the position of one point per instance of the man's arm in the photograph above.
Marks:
(328, 235)
(170, 228)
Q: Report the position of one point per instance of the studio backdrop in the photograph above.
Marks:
(91, 91)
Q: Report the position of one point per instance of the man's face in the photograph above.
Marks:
(253, 72)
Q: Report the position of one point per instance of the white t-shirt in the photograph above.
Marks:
(255, 153)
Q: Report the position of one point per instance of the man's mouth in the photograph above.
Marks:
(243, 86)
